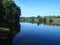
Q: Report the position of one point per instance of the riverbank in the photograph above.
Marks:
(45, 20)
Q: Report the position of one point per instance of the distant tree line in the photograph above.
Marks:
(40, 19)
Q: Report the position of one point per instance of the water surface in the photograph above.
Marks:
(32, 34)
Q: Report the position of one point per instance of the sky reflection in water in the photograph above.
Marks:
(32, 34)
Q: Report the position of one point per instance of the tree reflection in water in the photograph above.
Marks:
(6, 37)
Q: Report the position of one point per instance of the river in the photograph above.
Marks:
(33, 34)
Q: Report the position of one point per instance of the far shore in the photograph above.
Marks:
(54, 20)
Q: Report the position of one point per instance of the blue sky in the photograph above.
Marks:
(39, 7)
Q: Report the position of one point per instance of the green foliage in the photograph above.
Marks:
(9, 15)
(38, 16)
(44, 20)
(50, 20)
(9, 11)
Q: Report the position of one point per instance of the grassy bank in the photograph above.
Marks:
(45, 20)
(4, 29)
(30, 19)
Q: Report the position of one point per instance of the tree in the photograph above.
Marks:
(50, 20)
(9, 12)
(10, 9)
(38, 16)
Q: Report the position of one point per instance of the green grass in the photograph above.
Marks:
(4, 29)
(54, 21)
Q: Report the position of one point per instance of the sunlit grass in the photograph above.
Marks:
(4, 29)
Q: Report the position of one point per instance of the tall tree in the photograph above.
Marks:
(9, 12)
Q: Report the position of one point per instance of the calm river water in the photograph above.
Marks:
(33, 34)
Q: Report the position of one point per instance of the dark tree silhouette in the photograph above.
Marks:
(50, 20)
(9, 12)
(9, 18)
